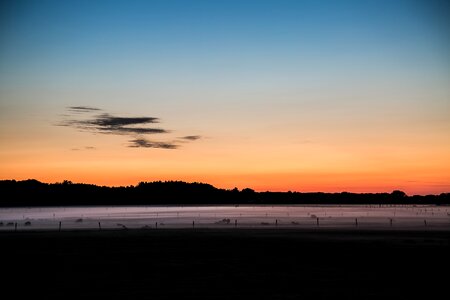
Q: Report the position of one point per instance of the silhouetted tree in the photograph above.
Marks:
(398, 195)
(34, 193)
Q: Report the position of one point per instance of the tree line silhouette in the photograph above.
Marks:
(34, 193)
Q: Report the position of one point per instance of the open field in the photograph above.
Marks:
(362, 217)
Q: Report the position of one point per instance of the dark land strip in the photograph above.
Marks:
(28, 193)
(226, 264)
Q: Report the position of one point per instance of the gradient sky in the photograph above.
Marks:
(272, 95)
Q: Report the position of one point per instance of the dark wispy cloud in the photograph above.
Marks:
(90, 119)
(83, 109)
(191, 137)
(106, 120)
(106, 123)
(144, 143)
(139, 130)
(84, 148)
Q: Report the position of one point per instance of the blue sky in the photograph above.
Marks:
(310, 86)
(42, 39)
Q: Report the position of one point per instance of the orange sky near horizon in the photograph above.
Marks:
(321, 165)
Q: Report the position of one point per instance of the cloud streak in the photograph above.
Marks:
(191, 137)
(106, 123)
(144, 143)
(83, 109)
(107, 120)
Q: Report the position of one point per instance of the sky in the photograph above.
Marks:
(273, 95)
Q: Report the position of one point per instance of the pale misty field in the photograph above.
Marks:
(387, 217)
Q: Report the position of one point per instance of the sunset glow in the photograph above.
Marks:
(273, 95)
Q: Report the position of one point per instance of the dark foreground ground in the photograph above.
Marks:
(225, 264)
